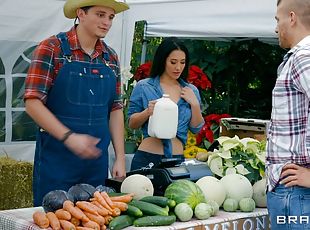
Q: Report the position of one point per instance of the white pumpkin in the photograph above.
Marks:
(138, 184)
(237, 186)
(259, 193)
(212, 189)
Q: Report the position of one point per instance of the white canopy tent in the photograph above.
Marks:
(24, 23)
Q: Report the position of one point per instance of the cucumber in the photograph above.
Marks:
(154, 221)
(159, 200)
(121, 222)
(149, 208)
(133, 211)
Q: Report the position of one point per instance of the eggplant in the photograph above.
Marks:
(82, 192)
(54, 200)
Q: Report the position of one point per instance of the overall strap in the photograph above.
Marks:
(65, 47)
(167, 147)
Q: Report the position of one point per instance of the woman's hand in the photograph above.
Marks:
(189, 96)
(150, 108)
(295, 175)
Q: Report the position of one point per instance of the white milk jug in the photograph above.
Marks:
(163, 124)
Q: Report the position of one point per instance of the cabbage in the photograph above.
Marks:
(54, 200)
(82, 192)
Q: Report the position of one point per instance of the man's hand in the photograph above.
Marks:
(119, 169)
(83, 145)
(295, 175)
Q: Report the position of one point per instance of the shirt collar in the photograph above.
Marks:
(75, 44)
(304, 41)
(156, 81)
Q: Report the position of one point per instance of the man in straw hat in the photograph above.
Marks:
(73, 94)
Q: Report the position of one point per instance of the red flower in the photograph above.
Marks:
(143, 71)
(197, 77)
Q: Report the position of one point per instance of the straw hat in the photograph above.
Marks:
(71, 6)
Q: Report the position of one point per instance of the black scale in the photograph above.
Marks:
(164, 174)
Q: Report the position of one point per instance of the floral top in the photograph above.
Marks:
(149, 89)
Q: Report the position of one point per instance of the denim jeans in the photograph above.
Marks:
(289, 208)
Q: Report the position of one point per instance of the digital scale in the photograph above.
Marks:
(168, 171)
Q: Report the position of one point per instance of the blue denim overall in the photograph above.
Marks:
(81, 98)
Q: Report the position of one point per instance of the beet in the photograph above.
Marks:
(54, 200)
(82, 192)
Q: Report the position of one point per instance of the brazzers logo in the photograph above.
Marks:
(292, 219)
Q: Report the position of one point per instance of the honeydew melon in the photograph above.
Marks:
(237, 186)
(212, 189)
(138, 184)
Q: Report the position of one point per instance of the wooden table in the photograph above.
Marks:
(21, 219)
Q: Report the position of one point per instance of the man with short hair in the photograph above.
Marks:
(288, 146)
(73, 93)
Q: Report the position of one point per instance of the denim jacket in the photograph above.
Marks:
(149, 89)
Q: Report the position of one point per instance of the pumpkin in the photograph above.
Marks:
(185, 191)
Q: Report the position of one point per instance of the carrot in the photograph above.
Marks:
(91, 224)
(67, 225)
(121, 205)
(86, 206)
(75, 221)
(116, 212)
(63, 214)
(75, 211)
(96, 218)
(123, 198)
(54, 222)
(100, 209)
(83, 228)
(40, 219)
(107, 198)
(108, 219)
(103, 227)
(102, 201)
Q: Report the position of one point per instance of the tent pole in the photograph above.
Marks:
(144, 45)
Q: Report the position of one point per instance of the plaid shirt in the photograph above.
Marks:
(48, 59)
(289, 131)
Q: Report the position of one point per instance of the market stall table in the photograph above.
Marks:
(21, 219)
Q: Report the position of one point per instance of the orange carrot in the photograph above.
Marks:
(54, 222)
(63, 214)
(40, 219)
(121, 205)
(67, 225)
(107, 198)
(96, 218)
(83, 228)
(103, 227)
(101, 207)
(116, 212)
(86, 206)
(75, 221)
(101, 210)
(108, 219)
(91, 224)
(75, 211)
(123, 198)
(102, 201)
